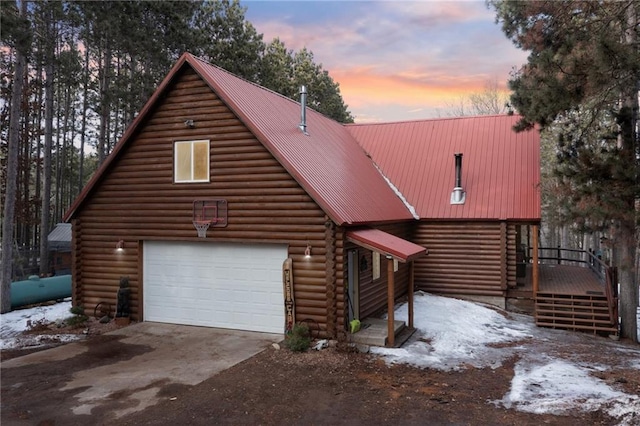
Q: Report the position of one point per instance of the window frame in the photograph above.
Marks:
(192, 165)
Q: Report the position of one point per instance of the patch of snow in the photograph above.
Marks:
(38, 340)
(559, 387)
(633, 352)
(454, 333)
(13, 324)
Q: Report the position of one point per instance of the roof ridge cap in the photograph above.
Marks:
(397, 191)
(253, 83)
(421, 120)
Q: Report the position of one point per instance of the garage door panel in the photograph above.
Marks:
(213, 284)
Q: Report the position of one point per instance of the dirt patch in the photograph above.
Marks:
(334, 386)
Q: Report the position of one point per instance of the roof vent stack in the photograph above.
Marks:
(458, 195)
(303, 109)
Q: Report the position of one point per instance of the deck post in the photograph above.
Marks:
(410, 295)
(534, 267)
(390, 303)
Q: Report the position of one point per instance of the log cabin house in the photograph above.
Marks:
(292, 207)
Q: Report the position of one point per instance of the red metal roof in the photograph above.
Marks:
(328, 162)
(500, 168)
(387, 244)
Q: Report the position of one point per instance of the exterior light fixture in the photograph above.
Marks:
(307, 252)
(189, 124)
(120, 245)
(364, 265)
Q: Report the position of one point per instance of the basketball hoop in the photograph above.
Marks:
(202, 226)
(209, 214)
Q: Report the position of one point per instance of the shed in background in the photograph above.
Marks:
(60, 249)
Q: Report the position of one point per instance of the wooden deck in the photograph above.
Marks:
(565, 279)
(569, 297)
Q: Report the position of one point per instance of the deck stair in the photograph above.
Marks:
(578, 312)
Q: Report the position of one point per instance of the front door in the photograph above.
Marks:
(353, 290)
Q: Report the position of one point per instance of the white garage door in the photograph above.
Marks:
(214, 284)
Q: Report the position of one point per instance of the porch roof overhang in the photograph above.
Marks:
(386, 244)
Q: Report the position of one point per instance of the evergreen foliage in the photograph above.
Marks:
(226, 39)
(299, 339)
(581, 86)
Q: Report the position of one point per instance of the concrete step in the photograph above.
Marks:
(373, 332)
(403, 336)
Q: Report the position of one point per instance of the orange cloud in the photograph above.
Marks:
(362, 87)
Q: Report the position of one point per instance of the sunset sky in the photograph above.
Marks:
(395, 60)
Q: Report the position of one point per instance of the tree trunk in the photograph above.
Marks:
(83, 126)
(105, 99)
(626, 238)
(38, 164)
(12, 170)
(48, 142)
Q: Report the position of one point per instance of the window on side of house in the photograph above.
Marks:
(376, 265)
(395, 265)
(191, 161)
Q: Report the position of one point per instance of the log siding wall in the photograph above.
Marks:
(466, 258)
(511, 255)
(137, 200)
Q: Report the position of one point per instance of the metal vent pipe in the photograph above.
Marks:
(458, 195)
(303, 109)
(458, 170)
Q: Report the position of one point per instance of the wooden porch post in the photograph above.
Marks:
(410, 295)
(535, 272)
(390, 303)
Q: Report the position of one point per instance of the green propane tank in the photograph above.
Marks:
(37, 290)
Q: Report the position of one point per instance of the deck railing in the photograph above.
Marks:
(564, 256)
(607, 275)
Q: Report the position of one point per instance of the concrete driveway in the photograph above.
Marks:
(124, 371)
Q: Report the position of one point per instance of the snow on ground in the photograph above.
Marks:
(454, 334)
(12, 324)
(558, 387)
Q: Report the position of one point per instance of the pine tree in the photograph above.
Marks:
(324, 93)
(285, 71)
(226, 39)
(276, 69)
(584, 69)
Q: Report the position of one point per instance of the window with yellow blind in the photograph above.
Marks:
(376, 265)
(191, 161)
